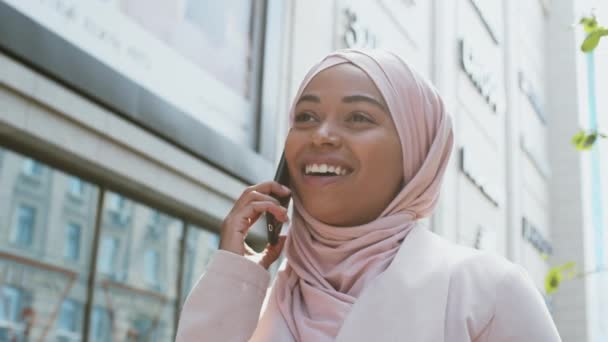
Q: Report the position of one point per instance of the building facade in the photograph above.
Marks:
(128, 130)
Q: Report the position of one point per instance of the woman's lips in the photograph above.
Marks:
(322, 180)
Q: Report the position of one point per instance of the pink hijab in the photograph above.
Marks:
(328, 267)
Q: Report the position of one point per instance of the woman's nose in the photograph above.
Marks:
(326, 135)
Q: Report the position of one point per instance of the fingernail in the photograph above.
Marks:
(286, 188)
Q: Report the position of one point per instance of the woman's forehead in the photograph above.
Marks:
(343, 79)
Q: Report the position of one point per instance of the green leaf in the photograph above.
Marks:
(590, 140)
(552, 280)
(583, 141)
(578, 138)
(590, 43)
(589, 24)
(555, 276)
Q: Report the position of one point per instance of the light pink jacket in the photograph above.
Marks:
(433, 291)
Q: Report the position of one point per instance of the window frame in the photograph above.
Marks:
(87, 76)
(152, 279)
(86, 309)
(67, 247)
(16, 229)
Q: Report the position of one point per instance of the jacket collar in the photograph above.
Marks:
(409, 299)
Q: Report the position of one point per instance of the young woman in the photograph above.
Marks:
(368, 146)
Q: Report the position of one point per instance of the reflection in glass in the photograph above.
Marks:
(45, 260)
(107, 255)
(32, 167)
(221, 30)
(200, 246)
(101, 327)
(24, 227)
(136, 274)
(43, 267)
(152, 264)
(72, 246)
(76, 187)
(67, 325)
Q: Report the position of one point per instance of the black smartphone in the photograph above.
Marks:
(273, 226)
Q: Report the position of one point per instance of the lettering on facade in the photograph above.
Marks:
(472, 169)
(355, 34)
(526, 86)
(539, 163)
(489, 13)
(531, 234)
(484, 77)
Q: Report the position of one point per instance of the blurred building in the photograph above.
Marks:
(127, 130)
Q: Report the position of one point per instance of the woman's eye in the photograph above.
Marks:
(360, 117)
(304, 117)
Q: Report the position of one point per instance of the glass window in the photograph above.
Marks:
(36, 280)
(137, 272)
(23, 232)
(156, 217)
(101, 325)
(200, 246)
(72, 244)
(144, 329)
(186, 42)
(32, 167)
(151, 264)
(69, 316)
(10, 304)
(76, 187)
(116, 202)
(117, 210)
(11, 320)
(107, 255)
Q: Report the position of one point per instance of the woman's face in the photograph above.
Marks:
(343, 151)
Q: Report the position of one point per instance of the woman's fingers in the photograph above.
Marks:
(268, 188)
(256, 196)
(237, 223)
(258, 208)
(254, 201)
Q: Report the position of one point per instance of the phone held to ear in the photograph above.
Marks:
(273, 226)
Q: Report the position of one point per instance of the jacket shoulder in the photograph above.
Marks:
(475, 279)
(465, 261)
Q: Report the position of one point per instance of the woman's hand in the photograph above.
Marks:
(254, 201)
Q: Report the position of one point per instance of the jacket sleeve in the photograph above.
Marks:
(521, 313)
(225, 303)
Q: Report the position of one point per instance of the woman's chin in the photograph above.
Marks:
(337, 217)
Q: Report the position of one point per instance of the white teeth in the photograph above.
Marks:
(324, 168)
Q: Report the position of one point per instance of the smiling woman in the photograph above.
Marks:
(369, 143)
(342, 120)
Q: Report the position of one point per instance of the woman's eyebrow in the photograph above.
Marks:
(310, 98)
(364, 98)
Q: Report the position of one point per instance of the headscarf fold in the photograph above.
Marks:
(328, 267)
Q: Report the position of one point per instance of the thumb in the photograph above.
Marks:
(272, 252)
